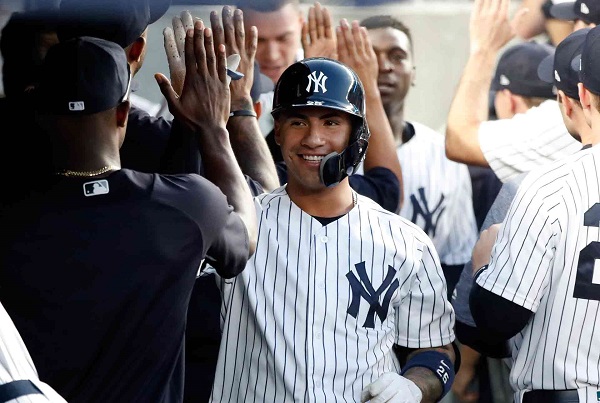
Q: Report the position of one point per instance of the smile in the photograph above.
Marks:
(312, 157)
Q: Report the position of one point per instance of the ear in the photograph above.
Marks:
(584, 96)
(136, 49)
(258, 109)
(122, 113)
(277, 132)
(566, 102)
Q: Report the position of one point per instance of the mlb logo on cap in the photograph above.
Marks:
(76, 106)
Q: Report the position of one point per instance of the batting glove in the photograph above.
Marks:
(391, 388)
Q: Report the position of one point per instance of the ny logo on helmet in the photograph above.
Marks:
(319, 82)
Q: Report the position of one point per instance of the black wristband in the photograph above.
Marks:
(242, 112)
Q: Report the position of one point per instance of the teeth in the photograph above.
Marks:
(313, 157)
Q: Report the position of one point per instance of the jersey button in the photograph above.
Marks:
(317, 384)
(318, 336)
(321, 286)
(324, 239)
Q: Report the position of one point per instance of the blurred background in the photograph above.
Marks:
(440, 32)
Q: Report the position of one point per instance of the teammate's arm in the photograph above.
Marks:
(490, 30)
(355, 50)
(203, 108)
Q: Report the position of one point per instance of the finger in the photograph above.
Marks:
(312, 24)
(341, 43)
(357, 38)
(252, 43)
(221, 63)
(187, 19)
(478, 7)
(328, 23)
(170, 45)
(229, 30)
(190, 46)
(166, 89)
(217, 34)
(209, 48)
(240, 33)
(517, 19)
(350, 45)
(304, 36)
(320, 20)
(179, 34)
(197, 50)
(368, 46)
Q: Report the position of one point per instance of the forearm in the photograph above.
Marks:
(382, 147)
(469, 109)
(429, 382)
(251, 149)
(221, 168)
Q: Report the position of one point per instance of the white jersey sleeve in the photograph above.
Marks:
(526, 141)
(16, 363)
(546, 259)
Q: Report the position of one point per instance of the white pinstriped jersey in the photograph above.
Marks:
(438, 195)
(527, 141)
(547, 259)
(16, 363)
(315, 313)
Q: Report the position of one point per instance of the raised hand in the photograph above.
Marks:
(355, 50)
(205, 98)
(490, 27)
(318, 36)
(174, 44)
(232, 34)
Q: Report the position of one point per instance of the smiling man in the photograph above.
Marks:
(336, 281)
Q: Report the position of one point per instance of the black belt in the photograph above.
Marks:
(551, 396)
(15, 389)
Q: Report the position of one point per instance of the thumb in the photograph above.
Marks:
(166, 88)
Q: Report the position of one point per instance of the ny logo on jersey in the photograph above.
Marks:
(364, 289)
(421, 208)
(319, 82)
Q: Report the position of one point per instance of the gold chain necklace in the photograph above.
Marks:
(87, 174)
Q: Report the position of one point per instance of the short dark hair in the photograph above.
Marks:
(265, 6)
(386, 21)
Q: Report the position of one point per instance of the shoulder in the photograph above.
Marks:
(374, 210)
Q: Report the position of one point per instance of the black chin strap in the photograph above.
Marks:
(335, 167)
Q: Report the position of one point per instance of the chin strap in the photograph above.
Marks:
(335, 167)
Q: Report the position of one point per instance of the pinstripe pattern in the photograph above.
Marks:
(527, 141)
(539, 262)
(288, 332)
(433, 183)
(446, 193)
(16, 363)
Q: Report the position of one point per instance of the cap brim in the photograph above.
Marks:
(564, 11)
(158, 8)
(546, 69)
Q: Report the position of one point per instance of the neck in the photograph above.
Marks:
(395, 114)
(325, 202)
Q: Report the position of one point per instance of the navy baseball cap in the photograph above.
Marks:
(589, 61)
(82, 76)
(586, 10)
(559, 69)
(517, 69)
(120, 21)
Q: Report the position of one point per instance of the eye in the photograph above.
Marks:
(397, 57)
(331, 122)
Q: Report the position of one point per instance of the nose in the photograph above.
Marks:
(271, 51)
(314, 137)
(384, 63)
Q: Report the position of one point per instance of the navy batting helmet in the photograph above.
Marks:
(327, 83)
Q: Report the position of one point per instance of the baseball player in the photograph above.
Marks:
(533, 136)
(336, 281)
(543, 277)
(19, 380)
(437, 190)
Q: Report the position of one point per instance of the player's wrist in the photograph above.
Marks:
(435, 362)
